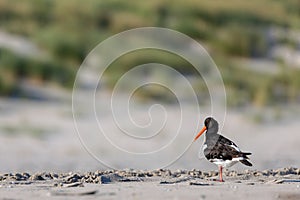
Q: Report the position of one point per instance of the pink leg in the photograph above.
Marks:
(221, 173)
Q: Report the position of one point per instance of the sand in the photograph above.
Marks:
(40, 137)
(282, 183)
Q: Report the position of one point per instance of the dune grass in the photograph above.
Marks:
(68, 29)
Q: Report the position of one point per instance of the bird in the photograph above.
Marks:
(220, 150)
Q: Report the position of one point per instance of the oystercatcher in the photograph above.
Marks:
(220, 150)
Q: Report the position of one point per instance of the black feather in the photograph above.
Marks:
(246, 162)
(219, 147)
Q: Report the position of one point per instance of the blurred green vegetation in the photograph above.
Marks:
(14, 68)
(28, 129)
(68, 29)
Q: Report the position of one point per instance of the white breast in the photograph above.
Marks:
(204, 146)
(225, 163)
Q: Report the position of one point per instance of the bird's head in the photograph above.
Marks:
(209, 124)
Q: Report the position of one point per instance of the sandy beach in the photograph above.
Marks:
(282, 183)
(42, 137)
(104, 100)
(48, 161)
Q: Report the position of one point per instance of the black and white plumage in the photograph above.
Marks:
(220, 150)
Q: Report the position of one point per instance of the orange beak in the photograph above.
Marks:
(200, 133)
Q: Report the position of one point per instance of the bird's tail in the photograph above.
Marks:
(246, 162)
(247, 153)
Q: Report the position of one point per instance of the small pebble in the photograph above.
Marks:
(68, 193)
(199, 183)
(76, 184)
(37, 177)
(279, 181)
(275, 181)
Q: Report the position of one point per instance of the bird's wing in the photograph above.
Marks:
(226, 142)
(224, 149)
